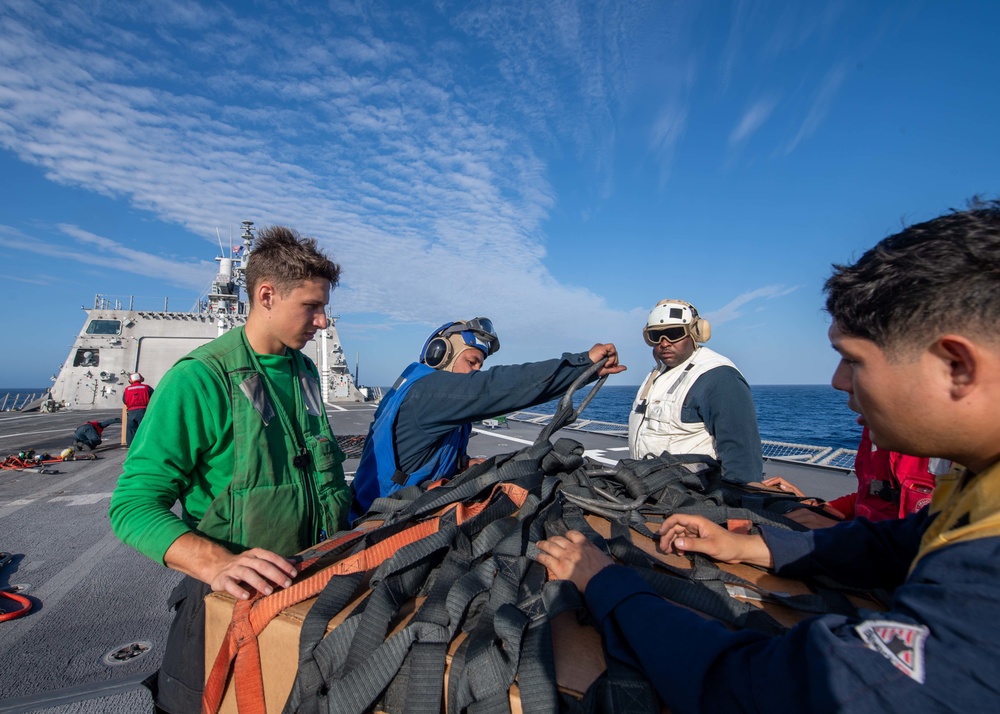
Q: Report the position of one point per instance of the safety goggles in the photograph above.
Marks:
(672, 333)
(478, 332)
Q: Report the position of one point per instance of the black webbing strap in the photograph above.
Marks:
(421, 678)
(467, 485)
(394, 582)
(358, 688)
(316, 663)
(309, 679)
(480, 578)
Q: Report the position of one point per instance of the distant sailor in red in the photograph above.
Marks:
(890, 484)
(136, 399)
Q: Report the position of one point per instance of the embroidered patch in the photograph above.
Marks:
(901, 644)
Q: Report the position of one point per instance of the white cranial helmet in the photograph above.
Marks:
(676, 313)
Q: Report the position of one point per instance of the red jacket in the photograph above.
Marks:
(137, 396)
(890, 484)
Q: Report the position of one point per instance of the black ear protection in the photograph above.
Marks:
(437, 350)
(440, 349)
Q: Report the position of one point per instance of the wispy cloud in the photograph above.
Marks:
(821, 105)
(737, 307)
(666, 133)
(408, 166)
(416, 145)
(753, 118)
(29, 281)
(106, 253)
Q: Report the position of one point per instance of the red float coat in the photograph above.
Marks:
(890, 484)
(137, 396)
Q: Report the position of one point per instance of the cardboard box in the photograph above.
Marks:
(279, 646)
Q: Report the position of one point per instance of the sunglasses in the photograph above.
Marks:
(674, 333)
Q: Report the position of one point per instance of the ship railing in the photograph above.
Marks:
(591, 425)
(13, 401)
(841, 458)
(784, 451)
(809, 454)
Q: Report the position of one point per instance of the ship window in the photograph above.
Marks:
(104, 327)
(87, 358)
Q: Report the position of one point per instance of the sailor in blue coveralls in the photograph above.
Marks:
(916, 322)
(421, 429)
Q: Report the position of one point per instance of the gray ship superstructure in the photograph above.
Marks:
(117, 339)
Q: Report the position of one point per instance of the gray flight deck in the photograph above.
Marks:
(96, 601)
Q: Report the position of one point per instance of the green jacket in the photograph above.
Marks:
(242, 440)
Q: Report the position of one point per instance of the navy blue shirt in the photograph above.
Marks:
(721, 399)
(942, 627)
(439, 402)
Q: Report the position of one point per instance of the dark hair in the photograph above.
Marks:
(931, 278)
(282, 256)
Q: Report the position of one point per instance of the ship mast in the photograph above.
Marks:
(224, 298)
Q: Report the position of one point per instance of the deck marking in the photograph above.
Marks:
(598, 455)
(15, 506)
(503, 436)
(594, 453)
(83, 499)
(64, 430)
(57, 587)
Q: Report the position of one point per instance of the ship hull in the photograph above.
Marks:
(114, 343)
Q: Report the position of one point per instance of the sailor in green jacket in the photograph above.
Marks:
(236, 432)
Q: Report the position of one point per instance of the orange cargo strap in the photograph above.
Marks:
(240, 650)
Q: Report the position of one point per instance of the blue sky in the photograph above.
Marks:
(556, 166)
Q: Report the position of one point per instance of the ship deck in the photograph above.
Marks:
(93, 596)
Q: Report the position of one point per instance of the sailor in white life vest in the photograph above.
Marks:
(695, 401)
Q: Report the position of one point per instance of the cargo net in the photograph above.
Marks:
(440, 585)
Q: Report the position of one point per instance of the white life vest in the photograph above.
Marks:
(659, 427)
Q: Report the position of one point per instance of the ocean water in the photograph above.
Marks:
(9, 397)
(799, 414)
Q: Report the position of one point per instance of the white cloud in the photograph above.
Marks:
(108, 254)
(417, 160)
(753, 118)
(427, 191)
(821, 105)
(735, 308)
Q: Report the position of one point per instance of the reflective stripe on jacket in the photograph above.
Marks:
(137, 396)
(660, 428)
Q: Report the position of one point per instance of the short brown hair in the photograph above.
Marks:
(287, 259)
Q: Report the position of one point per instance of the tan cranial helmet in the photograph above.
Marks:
(675, 313)
(135, 378)
(452, 338)
(458, 346)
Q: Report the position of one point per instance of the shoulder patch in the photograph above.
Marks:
(901, 644)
